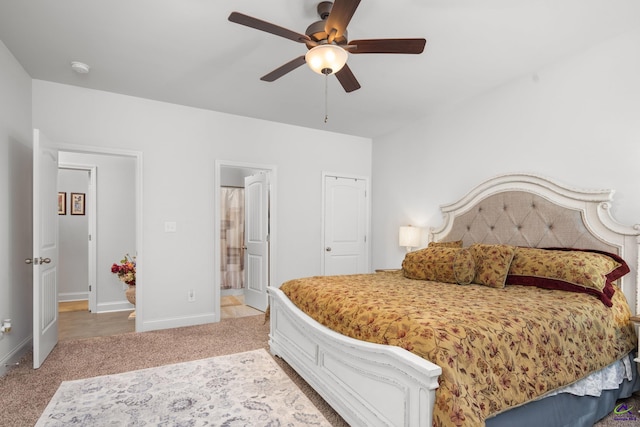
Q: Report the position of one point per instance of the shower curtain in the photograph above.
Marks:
(232, 238)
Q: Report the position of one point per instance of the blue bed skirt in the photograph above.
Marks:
(567, 410)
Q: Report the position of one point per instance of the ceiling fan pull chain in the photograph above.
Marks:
(326, 97)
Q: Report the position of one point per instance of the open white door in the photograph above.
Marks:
(256, 193)
(345, 226)
(45, 248)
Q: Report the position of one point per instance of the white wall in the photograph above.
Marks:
(234, 176)
(179, 146)
(15, 200)
(577, 121)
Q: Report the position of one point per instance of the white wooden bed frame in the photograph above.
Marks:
(378, 385)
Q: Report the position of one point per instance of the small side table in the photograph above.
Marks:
(636, 321)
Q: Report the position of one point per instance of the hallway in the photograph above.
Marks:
(75, 321)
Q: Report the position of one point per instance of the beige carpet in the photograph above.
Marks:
(24, 393)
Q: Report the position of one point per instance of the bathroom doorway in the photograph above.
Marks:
(243, 269)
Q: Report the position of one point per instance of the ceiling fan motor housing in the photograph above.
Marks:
(317, 34)
(324, 8)
(316, 31)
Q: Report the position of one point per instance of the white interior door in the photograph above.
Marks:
(345, 226)
(256, 193)
(45, 248)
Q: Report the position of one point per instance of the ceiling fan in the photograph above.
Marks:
(328, 44)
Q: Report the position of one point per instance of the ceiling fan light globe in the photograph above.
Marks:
(326, 57)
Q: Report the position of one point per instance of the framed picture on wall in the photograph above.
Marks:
(77, 203)
(62, 203)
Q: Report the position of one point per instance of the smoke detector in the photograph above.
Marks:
(80, 67)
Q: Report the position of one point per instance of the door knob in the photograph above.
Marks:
(328, 249)
(36, 261)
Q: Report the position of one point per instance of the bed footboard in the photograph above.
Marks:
(367, 384)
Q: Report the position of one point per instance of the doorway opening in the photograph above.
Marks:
(92, 301)
(245, 237)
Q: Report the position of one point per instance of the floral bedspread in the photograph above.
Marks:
(498, 348)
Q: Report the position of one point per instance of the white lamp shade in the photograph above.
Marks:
(327, 57)
(409, 237)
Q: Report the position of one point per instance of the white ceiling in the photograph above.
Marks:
(187, 52)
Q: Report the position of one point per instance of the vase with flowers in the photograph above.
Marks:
(126, 272)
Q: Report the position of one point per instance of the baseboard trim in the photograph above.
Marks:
(72, 296)
(178, 322)
(14, 356)
(114, 306)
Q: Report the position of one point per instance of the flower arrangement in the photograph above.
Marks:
(126, 270)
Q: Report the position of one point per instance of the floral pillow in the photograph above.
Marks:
(454, 244)
(492, 263)
(464, 267)
(576, 270)
(440, 264)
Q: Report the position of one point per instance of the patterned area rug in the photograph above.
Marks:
(236, 390)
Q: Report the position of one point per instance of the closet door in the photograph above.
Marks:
(345, 226)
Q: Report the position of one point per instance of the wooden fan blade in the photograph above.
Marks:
(347, 79)
(341, 13)
(414, 46)
(281, 71)
(258, 24)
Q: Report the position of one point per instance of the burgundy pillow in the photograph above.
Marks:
(577, 270)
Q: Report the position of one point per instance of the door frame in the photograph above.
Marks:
(323, 219)
(138, 188)
(92, 219)
(273, 239)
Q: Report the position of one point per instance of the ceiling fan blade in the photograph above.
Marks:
(347, 79)
(258, 24)
(284, 69)
(341, 13)
(414, 46)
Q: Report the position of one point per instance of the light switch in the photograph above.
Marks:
(170, 227)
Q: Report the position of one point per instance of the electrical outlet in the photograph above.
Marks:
(191, 295)
(6, 326)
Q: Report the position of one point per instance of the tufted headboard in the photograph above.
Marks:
(529, 210)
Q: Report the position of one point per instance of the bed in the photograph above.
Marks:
(376, 380)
